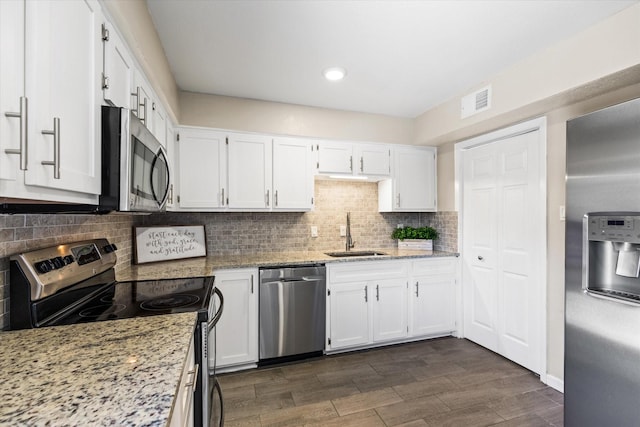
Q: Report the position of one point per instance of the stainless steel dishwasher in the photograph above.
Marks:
(292, 312)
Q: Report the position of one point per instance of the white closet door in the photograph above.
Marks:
(502, 211)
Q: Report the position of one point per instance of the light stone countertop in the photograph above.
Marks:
(205, 266)
(119, 372)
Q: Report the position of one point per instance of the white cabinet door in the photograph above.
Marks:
(117, 68)
(63, 66)
(249, 171)
(389, 302)
(159, 123)
(201, 166)
(292, 174)
(182, 413)
(432, 300)
(433, 305)
(335, 157)
(412, 187)
(12, 92)
(349, 315)
(237, 329)
(373, 159)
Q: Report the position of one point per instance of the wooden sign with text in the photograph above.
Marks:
(167, 243)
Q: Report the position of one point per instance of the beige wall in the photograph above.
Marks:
(288, 119)
(601, 58)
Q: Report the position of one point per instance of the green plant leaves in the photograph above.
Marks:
(414, 233)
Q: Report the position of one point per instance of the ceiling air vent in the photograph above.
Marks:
(476, 102)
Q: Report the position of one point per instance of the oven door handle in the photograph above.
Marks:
(216, 386)
(212, 323)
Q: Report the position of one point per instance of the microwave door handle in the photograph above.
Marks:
(153, 190)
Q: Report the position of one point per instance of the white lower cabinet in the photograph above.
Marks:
(432, 307)
(377, 302)
(389, 309)
(237, 329)
(348, 315)
(182, 413)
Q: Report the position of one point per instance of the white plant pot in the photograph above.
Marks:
(416, 244)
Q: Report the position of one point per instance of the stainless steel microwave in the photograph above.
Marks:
(135, 168)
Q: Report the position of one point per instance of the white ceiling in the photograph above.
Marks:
(402, 57)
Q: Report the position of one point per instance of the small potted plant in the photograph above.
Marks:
(420, 238)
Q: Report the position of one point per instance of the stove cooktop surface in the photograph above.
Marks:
(122, 300)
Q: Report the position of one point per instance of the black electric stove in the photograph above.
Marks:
(75, 283)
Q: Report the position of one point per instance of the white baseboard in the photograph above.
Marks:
(555, 383)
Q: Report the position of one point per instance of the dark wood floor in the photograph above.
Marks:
(441, 382)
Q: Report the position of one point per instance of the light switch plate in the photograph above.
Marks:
(343, 230)
(314, 231)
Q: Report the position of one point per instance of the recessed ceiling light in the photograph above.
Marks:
(334, 73)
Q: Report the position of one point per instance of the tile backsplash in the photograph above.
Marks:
(231, 233)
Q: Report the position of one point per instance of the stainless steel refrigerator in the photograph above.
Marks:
(602, 300)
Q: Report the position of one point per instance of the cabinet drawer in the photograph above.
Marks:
(363, 271)
(434, 266)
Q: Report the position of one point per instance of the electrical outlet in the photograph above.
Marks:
(400, 226)
(314, 231)
(343, 230)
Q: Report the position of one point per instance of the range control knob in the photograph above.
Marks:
(68, 259)
(44, 266)
(57, 262)
(110, 248)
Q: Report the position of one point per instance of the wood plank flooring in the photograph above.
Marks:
(440, 382)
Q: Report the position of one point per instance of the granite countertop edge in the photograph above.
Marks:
(206, 266)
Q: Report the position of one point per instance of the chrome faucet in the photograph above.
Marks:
(350, 243)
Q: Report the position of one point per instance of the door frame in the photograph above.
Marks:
(537, 124)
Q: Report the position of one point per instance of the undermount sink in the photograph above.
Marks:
(354, 254)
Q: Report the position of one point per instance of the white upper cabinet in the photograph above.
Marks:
(63, 87)
(201, 160)
(412, 187)
(13, 104)
(335, 157)
(373, 159)
(159, 123)
(350, 158)
(249, 171)
(172, 158)
(118, 68)
(292, 174)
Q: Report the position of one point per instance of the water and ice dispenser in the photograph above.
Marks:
(611, 255)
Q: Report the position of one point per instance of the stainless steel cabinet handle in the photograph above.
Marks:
(222, 202)
(144, 118)
(361, 164)
(275, 196)
(351, 163)
(171, 194)
(398, 197)
(480, 257)
(366, 298)
(194, 378)
(417, 295)
(137, 95)
(377, 292)
(22, 151)
(267, 198)
(252, 283)
(56, 148)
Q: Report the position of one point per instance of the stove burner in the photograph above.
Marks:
(170, 301)
(108, 310)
